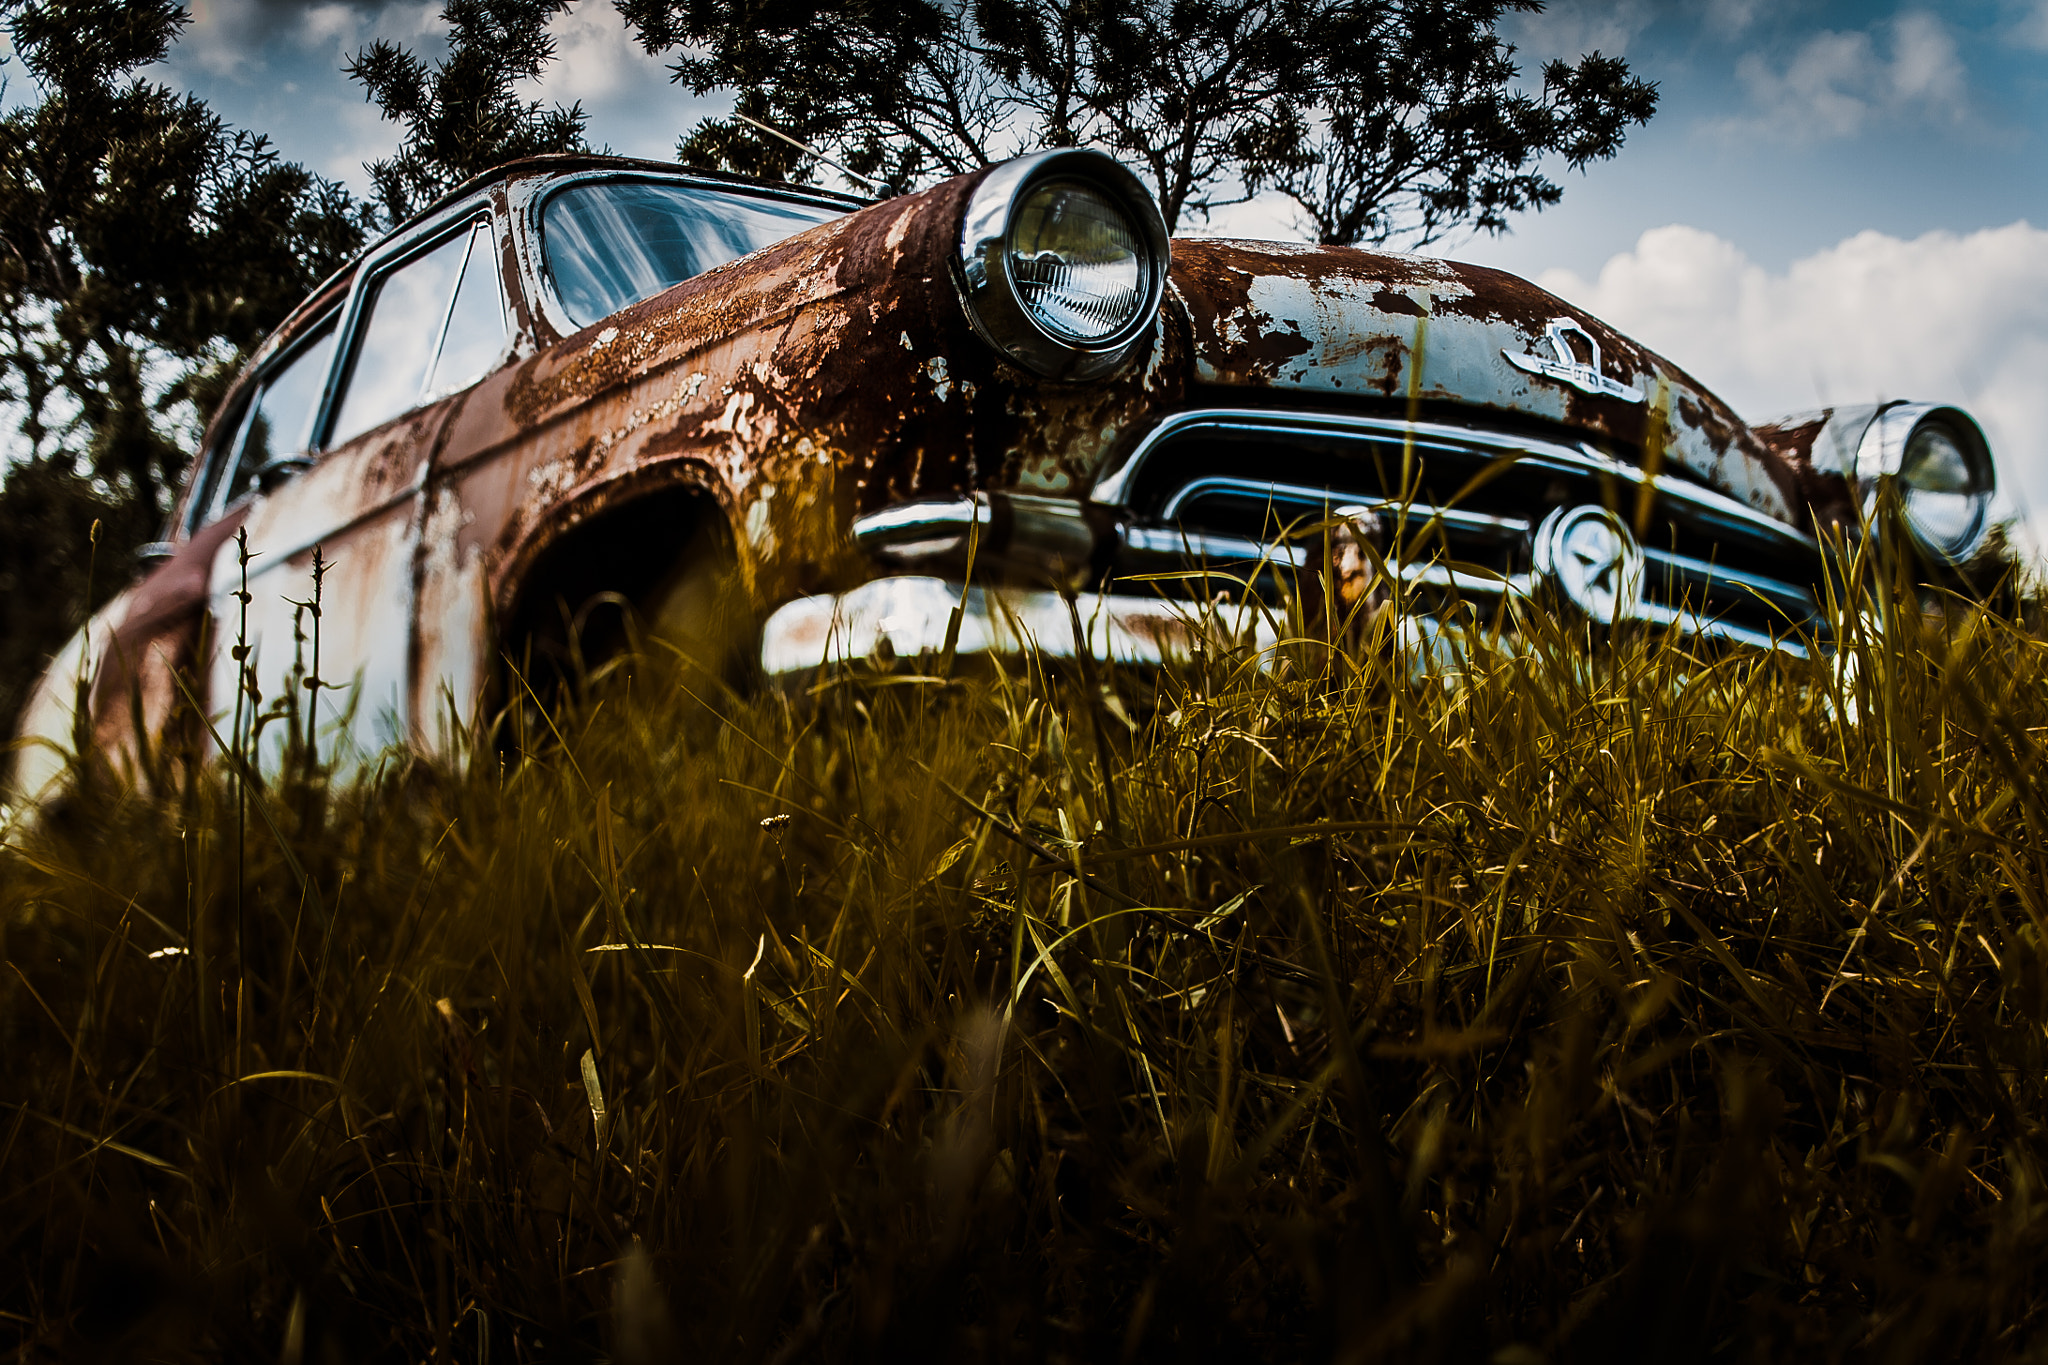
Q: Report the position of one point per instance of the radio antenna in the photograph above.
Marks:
(875, 185)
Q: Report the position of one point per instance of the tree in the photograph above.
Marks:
(144, 249)
(1382, 119)
(461, 115)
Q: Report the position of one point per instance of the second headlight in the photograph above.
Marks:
(1937, 460)
(1063, 259)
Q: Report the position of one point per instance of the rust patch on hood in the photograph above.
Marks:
(1830, 498)
(1214, 283)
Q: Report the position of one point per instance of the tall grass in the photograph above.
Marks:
(1607, 999)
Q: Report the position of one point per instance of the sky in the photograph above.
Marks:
(1836, 202)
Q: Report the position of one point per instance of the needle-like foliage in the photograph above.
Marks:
(462, 115)
(1381, 120)
(145, 249)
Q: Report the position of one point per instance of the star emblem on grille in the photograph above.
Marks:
(1589, 555)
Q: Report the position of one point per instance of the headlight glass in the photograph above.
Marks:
(1078, 262)
(1939, 488)
(1062, 262)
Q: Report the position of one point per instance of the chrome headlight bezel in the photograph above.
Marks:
(990, 293)
(1881, 458)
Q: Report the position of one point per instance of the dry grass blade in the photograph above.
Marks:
(1561, 998)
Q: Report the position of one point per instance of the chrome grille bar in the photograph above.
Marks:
(1710, 506)
(1684, 587)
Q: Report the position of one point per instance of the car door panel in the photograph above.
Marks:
(360, 507)
(426, 321)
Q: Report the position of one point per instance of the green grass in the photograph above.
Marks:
(1613, 1000)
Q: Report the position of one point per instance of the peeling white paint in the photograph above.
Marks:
(760, 522)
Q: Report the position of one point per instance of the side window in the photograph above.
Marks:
(278, 423)
(477, 326)
(431, 326)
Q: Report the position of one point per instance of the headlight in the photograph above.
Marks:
(1939, 463)
(1063, 260)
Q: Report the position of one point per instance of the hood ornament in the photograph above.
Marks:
(1567, 368)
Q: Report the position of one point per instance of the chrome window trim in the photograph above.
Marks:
(428, 393)
(1113, 486)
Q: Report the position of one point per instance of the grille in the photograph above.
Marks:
(1460, 507)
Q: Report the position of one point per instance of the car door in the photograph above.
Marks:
(425, 320)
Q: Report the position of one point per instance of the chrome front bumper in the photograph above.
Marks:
(917, 616)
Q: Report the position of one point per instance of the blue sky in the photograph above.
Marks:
(1789, 125)
(1836, 201)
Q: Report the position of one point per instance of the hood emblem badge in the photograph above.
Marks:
(1567, 368)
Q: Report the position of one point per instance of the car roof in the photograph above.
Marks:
(556, 163)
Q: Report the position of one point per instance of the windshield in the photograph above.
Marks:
(609, 243)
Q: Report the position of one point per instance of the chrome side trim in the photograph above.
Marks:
(912, 616)
(1692, 623)
(1776, 590)
(907, 521)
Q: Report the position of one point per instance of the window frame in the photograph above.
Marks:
(210, 501)
(478, 227)
(390, 255)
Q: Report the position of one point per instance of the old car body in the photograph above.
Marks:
(535, 396)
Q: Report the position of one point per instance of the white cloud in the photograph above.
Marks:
(1572, 28)
(2031, 30)
(1837, 83)
(1729, 18)
(218, 40)
(1945, 317)
(352, 134)
(632, 106)
(343, 26)
(232, 39)
(1269, 216)
(596, 58)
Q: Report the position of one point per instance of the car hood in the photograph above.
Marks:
(1344, 323)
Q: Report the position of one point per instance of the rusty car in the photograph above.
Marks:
(811, 428)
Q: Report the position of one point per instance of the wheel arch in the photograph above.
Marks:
(617, 541)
